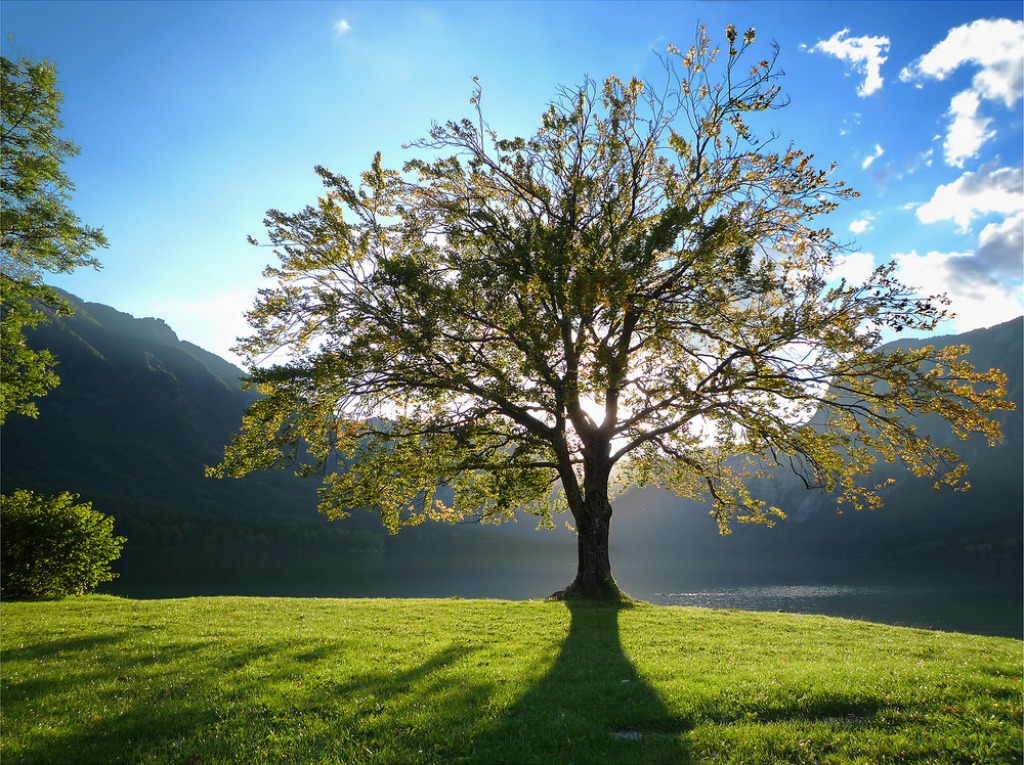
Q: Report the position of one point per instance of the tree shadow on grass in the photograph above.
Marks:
(171, 704)
(591, 707)
(301, 700)
(117, 702)
(127, 695)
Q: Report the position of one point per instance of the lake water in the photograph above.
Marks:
(981, 600)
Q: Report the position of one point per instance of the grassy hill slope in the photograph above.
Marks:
(232, 680)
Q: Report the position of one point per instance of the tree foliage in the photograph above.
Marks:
(38, 231)
(640, 291)
(51, 547)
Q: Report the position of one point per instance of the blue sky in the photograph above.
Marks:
(194, 118)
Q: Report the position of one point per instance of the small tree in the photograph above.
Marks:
(641, 286)
(51, 547)
(38, 232)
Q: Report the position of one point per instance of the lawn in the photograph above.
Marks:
(197, 681)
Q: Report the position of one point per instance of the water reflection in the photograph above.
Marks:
(980, 601)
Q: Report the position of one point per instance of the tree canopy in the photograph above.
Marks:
(53, 547)
(641, 291)
(39, 233)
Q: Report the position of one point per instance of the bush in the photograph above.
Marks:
(50, 547)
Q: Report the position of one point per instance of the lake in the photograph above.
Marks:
(987, 600)
(980, 601)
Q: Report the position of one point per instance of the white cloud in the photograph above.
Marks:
(342, 28)
(855, 268)
(987, 191)
(866, 54)
(1000, 253)
(860, 226)
(985, 286)
(976, 302)
(996, 46)
(967, 130)
(879, 151)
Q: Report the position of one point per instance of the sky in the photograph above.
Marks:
(194, 118)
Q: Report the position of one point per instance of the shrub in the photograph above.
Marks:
(51, 547)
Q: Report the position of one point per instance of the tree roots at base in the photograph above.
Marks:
(606, 591)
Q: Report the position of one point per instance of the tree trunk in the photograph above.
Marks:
(594, 570)
(593, 515)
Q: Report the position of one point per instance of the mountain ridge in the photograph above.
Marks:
(915, 521)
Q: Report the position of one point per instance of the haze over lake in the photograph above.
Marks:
(984, 599)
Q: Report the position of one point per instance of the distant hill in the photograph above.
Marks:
(916, 523)
(136, 418)
(139, 413)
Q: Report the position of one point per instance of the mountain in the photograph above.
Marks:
(137, 417)
(916, 522)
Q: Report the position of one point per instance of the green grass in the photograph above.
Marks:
(253, 680)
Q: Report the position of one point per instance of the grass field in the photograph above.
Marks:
(261, 680)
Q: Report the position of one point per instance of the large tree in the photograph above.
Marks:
(39, 233)
(640, 291)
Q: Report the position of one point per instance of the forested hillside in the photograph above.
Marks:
(137, 417)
